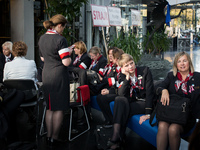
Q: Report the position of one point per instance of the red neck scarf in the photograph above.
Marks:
(136, 84)
(107, 69)
(76, 60)
(52, 31)
(182, 83)
(93, 64)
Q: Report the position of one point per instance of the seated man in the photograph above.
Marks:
(5, 57)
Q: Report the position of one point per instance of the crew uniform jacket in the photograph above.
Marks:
(84, 62)
(99, 65)
(145, 90)
(193, 90)
(111, 79)
(2, 64)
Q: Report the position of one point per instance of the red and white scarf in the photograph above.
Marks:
(134, 83)
(76, 60)
(94, 62)
(52, 31)
(182, 83)
(107, 69)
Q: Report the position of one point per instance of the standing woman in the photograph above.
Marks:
(55, 76)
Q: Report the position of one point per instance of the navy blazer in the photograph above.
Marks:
(84, 62)
(100, 65)
(146, 93)
(193, 88)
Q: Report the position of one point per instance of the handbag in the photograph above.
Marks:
(73, 93)
(93, 78)
(176, 112)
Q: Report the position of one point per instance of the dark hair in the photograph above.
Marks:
(117, 53)
(19, 49)
(54, 21)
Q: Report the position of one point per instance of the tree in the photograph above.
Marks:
(68, 8)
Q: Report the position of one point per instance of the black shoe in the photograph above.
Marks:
(113, 145)
(48, 141)
(107, 125)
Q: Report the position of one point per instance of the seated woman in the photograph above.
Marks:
(136, 95)
(20, 67)
(97, 65)
(81, 62)
(98, 60)
(108, 93)
(185, 82)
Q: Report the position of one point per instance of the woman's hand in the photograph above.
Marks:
(71, 48)
(126, 73)
(104, 91)
(100, 78)
(143, 118)
(165, 97)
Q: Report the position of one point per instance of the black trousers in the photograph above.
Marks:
(124, 109)
(82, 75)
(11, 105)
(104, 103)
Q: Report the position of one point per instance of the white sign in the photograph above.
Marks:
(175, 2)
(135, 17)
(114, 16)
(100, 15)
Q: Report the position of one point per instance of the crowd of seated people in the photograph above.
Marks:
(130, 86)
(18, 68)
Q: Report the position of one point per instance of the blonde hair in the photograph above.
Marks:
(19, 49)
(177, 56)
(54, 21)
(8, 44)
(124, 59)
(81, 45)
(95, 50)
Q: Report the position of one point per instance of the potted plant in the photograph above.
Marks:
(159, 43)
(129, 43)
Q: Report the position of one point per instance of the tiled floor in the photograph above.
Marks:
(87, 140)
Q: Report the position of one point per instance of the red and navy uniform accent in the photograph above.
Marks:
(94, 63)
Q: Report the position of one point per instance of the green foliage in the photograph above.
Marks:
(68, 8)
(160, 40)
(129, 43)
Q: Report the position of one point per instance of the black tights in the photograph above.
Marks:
(168, 134)
(53, 122)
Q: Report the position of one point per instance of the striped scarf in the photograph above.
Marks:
(182, 83)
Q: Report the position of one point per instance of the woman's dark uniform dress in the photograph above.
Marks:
(55, 76)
